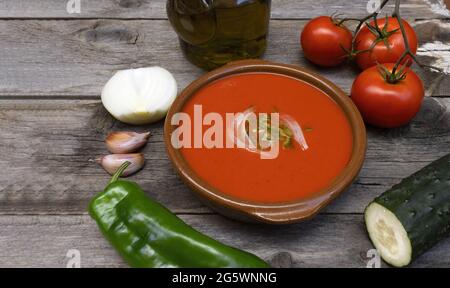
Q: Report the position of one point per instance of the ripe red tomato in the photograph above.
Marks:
(381, 53)
(323, 41)
(385, 104)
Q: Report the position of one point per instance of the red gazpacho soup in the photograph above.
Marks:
(301, 169)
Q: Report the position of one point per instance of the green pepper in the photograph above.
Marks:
(148, 235)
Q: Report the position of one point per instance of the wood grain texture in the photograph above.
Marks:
(77, 57)
(435, 45)
(326, 241)
(48, 147)
(52, 127)
(155, 9)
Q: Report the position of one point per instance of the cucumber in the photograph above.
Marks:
(412, 216)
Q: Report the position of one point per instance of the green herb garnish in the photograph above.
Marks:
(286, 136)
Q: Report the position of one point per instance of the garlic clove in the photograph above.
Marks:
(112, 162)
(140, 96)
(123, 142)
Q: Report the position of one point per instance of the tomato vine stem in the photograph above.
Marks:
(396, 14)
(361, 22)
(408, 51)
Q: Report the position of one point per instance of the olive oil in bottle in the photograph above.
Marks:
(215, 32)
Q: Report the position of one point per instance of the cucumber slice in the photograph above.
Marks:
(388, 235)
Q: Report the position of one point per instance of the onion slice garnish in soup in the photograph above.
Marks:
(296, 130)
(240, 131)
(259, 141)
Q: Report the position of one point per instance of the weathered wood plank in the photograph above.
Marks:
(435, 45)
(48, 145)
(47, 149)
(76, 57)
(155, 9)
(326, 241)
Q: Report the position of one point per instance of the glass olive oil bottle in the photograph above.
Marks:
(215, 32)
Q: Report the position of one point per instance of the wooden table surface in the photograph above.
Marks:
(53, 66)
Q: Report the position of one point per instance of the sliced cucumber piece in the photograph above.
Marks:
(412, 216)
(388, 235)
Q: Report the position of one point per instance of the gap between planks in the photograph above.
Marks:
(156, 9)
(210, 213)
(91, 97)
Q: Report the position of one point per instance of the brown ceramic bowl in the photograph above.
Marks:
(269, 213)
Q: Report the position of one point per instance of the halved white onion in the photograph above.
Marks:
(140, 96)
